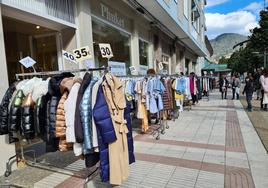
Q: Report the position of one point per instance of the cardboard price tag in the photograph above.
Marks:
(68, 56)
(82, 54)
(132, 70)
(106, 51)
(27, 62)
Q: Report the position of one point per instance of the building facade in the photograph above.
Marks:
(141, 33)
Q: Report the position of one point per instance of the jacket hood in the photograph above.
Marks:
(54, 83)
(30, 84)
(66, 85)
(40, 90)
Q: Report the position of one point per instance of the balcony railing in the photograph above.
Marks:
(62, 9)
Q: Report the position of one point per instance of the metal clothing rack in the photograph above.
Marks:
(22, 152)
(49, 73)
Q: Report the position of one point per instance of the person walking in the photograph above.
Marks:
(264, 86)
(237, 84)
(249, 89)
(257, 83)
(233, 87)
(223, 86)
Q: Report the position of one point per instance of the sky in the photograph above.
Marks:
(232, 16)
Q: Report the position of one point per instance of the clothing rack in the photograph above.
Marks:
(21, 153)
(50, 73)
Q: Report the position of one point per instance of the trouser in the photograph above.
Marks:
(249, 98)
(263, 105)
(194, 98)
(258, 92)
(233, 90)
(224, 93)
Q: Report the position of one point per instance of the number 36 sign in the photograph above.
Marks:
(106, 51)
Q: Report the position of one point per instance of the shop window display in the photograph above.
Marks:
(143, 48)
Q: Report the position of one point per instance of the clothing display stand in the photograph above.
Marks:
(21, 153)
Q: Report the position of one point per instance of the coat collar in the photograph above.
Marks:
(113, 81)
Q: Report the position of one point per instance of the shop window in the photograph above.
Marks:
(119, 41)
(143, 48)
(166, 63)
(25, 39)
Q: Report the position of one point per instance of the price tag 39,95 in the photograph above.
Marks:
(106, 51)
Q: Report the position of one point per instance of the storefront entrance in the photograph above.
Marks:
(24, 39)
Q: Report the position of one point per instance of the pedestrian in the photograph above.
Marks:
(257, 83)
(223, 86)
(264, 86)
(249, 89)
(237, 86)
(233, 87)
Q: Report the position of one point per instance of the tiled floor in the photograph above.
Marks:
(212, 146)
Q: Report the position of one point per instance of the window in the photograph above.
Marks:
(143, 48)
(185, 8)
(119, 41)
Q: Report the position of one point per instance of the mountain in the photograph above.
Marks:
(223, 44)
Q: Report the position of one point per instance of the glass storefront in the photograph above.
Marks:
(143, 49)
(24, 39)
(119, 41)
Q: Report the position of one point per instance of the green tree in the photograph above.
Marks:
(246, 60)
(223, 60)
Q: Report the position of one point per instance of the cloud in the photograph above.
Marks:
(212, 3)
(255, 7)
(234, 22)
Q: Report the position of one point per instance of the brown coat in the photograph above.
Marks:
(118, 150)
(65, 87)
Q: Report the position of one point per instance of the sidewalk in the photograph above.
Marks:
(214, 145)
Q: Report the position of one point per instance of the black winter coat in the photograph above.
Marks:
(40, 116)
(4, 109)
(79, 132)
(27, 119)
(15, 116)
(55, 95)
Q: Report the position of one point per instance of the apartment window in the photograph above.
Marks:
(143, 48)
(195, 16)
(185, 8)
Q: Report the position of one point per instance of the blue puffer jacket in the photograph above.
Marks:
(105, 130)
(106, 133)
(86, 117)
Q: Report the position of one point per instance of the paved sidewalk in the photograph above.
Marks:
(214, 145)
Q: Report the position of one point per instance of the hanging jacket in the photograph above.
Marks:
(79, 132)
(54, 91)
(27, 121)
(65, 87)
(106, 132)
(129, 134)
(86, 117)
(15, 116)
(4, 109)
(41, 97)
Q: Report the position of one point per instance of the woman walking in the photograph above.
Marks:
(249, 89)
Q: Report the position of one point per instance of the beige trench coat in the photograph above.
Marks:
(118, 150)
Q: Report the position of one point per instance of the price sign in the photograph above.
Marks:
(68, 56)
(82, 54)
(132, 70)
(106, 51)
(27, 62)
(160, 66)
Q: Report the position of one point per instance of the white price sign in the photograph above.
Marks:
(132, 70)
(68, 56)
(106, 50)
(27, 62)
(82, 54)
(160, 66)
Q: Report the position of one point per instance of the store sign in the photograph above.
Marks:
(27, 62)
(112, 15)
(117, 68)
(106, 51)
(68, 56)
(143, 69)
(82, 54)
